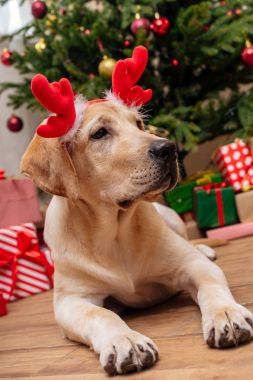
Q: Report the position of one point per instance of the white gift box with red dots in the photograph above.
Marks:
(235, 162)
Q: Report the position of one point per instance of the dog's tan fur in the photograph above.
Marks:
(103, 246)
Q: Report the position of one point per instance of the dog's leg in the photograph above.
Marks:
(121, 349)
(207, 251)
(225, 322)
(172, 219)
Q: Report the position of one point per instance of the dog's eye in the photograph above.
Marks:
(102, 132)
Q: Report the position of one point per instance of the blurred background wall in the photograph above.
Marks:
(12, 145)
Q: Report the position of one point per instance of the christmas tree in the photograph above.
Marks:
(200, 58)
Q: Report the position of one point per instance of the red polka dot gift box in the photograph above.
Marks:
(235, 162)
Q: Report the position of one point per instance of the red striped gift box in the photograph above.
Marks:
(3, 309)
(24, 268)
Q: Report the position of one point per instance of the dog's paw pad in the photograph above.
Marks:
(128, 364)
(128, 353)
(229, 327)
(110, 365)
(226, 338)
(211, 338)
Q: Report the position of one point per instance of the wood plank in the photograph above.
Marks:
(16, 363)
(178, 374)
(189, 351)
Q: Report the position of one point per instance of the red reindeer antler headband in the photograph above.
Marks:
(58, 97)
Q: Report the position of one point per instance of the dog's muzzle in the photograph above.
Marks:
(161, 175)
(164, 153)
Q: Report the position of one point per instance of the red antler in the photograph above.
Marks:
(126, 73)
(57, 97)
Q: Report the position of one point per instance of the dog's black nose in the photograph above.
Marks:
(163, 150)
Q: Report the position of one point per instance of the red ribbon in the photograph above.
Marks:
(220, 208)
(3, 309)
(217, 188)
(211, 186)
(2, 174)
(28, 251)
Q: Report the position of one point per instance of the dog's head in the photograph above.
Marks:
(112, 158)
(109, 158)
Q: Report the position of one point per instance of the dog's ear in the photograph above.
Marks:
(48, 163)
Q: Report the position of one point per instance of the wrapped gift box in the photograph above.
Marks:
(181, 198)
(235, 162)
(204, 177)
(231, 232)
(24, 268)
(2, 174)
(3, 309)
(18, 202)
(215, 205)
(215, 178)
(244, 204)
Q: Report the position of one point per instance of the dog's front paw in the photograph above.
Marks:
(128, 353)
(228, 327)
(207, 251)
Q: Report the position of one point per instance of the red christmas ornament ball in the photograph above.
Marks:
(39, 9)
(140, 23)
(6, 57)
(127, 43)
(160, 26)
(238, 11)
(15, 123)
(175, 62)
(247, 55)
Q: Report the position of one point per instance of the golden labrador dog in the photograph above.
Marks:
(108, 239)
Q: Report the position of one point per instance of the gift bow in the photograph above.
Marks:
(200, 176)
(26, 251)
(2, 174)
(211, 186)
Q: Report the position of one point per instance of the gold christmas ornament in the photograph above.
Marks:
(40, 45)
(50, 20)
(106, 67)
(51, 17)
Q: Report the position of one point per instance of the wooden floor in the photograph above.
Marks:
(32, 347)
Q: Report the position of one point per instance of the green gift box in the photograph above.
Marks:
(181, 198)
(215, 205)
